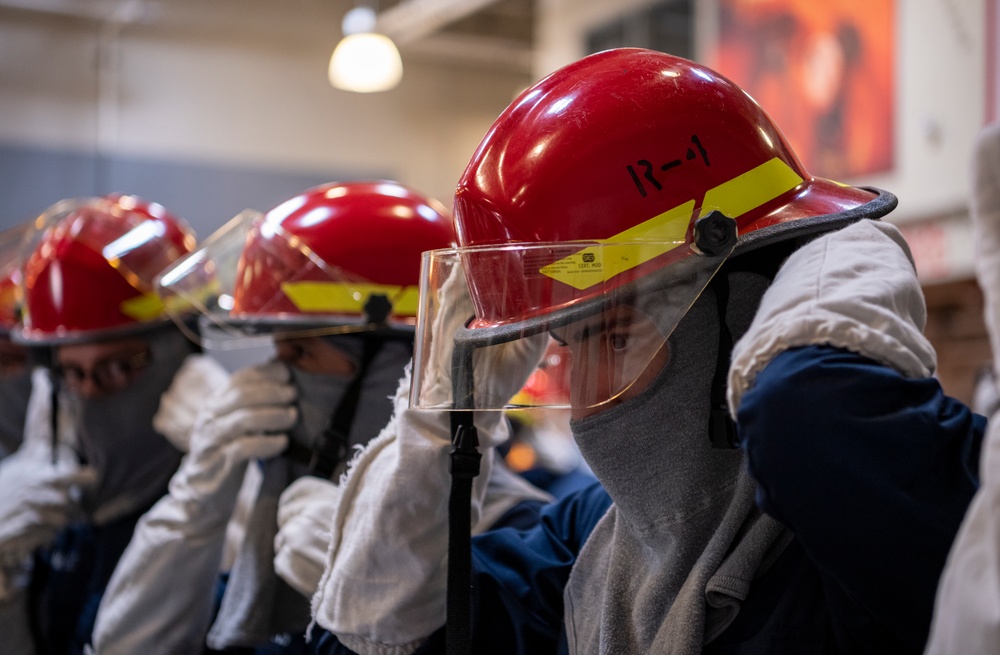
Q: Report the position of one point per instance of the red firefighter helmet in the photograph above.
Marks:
(626, 172)
(89, 271)
(316, 261)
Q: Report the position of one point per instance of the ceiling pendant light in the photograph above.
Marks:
(364, 61)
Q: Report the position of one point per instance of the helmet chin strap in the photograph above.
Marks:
(53, 403)
(715, 234)
(721, 428)
(333, 445)
(465, 460)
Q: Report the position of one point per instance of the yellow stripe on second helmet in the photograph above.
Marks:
(143, 308)
(342, 298)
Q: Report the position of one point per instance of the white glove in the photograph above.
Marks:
(304, 512)
(384, 587)
(856, 289)
(38, 498)
(198, 378)
(31, 484)
(161, 595)
(243, 421)
(500, 371)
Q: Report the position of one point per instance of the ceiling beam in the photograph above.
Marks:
(412, 20)
(483, 51)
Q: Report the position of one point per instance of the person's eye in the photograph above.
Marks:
(619, 341)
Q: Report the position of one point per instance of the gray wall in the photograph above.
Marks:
(205, 195)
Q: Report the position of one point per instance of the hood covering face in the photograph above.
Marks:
(115, 433)
(675, 554)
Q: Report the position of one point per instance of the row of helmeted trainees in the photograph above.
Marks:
(761, 459)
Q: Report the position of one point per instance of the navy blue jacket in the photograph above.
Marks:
(68, 581)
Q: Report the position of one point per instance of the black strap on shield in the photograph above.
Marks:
(465, 460)
(333, 446)
(715, 234)
(49, 357)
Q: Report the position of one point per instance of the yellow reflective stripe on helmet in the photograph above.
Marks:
(668, 230)
(339, 298)
(203, 297)
(751, 189)
(146, 307)
(595, 265)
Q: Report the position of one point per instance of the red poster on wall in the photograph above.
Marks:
(823, 71)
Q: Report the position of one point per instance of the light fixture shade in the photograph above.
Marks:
(365, 63)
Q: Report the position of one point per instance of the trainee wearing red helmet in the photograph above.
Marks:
(91, 454)
(328, 279)
(635, 206)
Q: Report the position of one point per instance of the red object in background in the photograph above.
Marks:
(822, 70)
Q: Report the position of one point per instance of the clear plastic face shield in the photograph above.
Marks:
(603, 310)
(251, 283)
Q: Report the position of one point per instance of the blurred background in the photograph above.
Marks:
(213, 106)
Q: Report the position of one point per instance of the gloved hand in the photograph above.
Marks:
(856, 289)
(305, 510)
(198, 378)
(500, 370)
(243, 421)
(384, 587)
(37, 499)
